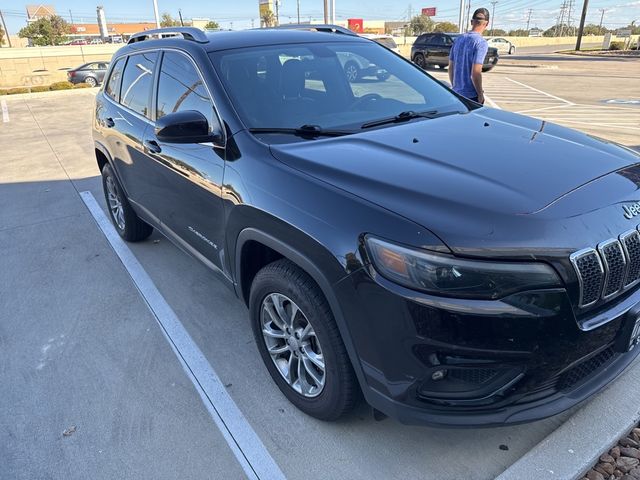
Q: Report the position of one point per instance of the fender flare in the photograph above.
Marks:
(302, 261)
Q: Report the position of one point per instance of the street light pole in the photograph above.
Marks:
(155, 12)
(602, 10)
(493, 15)
(298, 6)
(461, 17)
(326, 11)
(582, 19)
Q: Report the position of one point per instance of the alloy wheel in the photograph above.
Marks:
(115, 202)
(293, 345)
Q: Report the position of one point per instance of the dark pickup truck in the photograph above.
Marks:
(434, 48)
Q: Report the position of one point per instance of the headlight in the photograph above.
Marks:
(455, 277)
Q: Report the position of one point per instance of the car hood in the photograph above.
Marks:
(467, 177)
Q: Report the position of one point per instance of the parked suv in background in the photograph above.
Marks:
(431, 49)
(380, 247)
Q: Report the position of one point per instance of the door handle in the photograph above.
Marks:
(151, 146)
(109, 123)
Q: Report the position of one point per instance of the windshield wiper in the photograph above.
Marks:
(308, 131)
(405, 116)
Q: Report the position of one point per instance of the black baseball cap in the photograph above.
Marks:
(481, 14)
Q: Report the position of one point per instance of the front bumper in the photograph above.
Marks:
(461, 363)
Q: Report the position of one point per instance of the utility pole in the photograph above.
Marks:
(582, 19)
(277, 2)
(602, 10)
(155, 12)
(561, 20)
(326, 11)
(180, 15)
(461, 17)
(493, 15)
(468, 16)
(529, 18)
(4, 27)
(298, 7)
(71, 16)
(333, 11)
(569, 8)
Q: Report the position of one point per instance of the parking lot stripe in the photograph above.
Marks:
(5, 111)
(244, 442)
(540, 91)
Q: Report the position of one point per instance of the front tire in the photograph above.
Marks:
(92, 82)
(299, 342)
(126, 221)
(512, 50)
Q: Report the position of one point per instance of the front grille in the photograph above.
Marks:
(584, 369)
(475, 376)
(631, 245)
(615, 266)
(591, 275)
(611, 268)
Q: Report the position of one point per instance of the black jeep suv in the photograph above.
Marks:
(381, 245)
(433, 49)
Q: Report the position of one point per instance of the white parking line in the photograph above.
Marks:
(5, 111)
(244, 442)
(540, 91)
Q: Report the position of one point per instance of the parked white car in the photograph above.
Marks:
(384, 40)
(502, 44)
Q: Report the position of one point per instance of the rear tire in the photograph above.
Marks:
(126, 221)
(512, 50)
(352, 71)
(284, 303)
(92, 82)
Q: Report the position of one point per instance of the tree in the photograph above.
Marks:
(211, 25)
(166, 20)
(593, 29)
(269, 19)
(446, 27)
(519, 32)
(46, 31)
(420, 24)
(1, 35)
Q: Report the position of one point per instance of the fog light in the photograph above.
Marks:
(438, 375)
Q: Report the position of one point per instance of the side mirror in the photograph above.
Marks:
(188, 126)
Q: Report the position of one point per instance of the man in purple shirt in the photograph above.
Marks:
(467, 56)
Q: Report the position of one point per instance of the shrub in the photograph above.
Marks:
(61, 86)
(81, 85)
(3, 92)
(40, 88)
(13, 91)
(616, 46)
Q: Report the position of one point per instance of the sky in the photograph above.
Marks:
(238, 14)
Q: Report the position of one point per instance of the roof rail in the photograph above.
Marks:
(188, 33)
(319, 27)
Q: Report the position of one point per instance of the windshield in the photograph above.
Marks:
(329, 86)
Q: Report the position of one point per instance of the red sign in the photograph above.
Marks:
(355, 24)
(429, 12)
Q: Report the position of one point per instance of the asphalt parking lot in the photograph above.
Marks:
(95, 386)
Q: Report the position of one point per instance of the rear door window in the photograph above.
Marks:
(112, 88)
(136, 82)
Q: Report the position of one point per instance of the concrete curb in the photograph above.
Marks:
(572, 449)
(71, 91)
